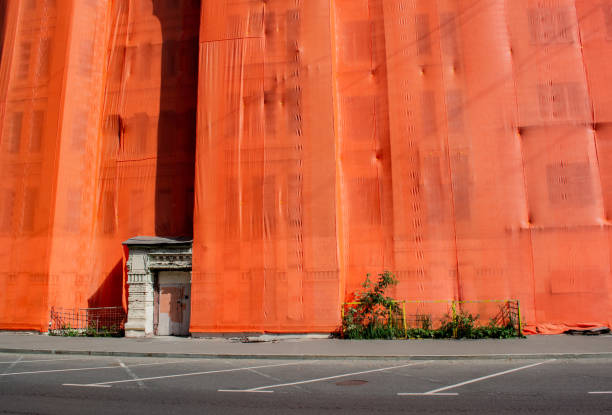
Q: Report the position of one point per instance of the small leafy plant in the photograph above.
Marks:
(112, 331)
(373, 315)
(459, 326)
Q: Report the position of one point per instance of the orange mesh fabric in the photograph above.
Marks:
(265, 249)
(97, 108)
(463, 144)
(454, 142)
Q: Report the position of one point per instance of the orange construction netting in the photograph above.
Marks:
(465, 145)
(97, 108)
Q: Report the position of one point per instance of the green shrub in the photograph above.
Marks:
(458, 326)
(463, 326)
(373, 315)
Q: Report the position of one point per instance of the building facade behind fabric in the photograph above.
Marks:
(465, 145)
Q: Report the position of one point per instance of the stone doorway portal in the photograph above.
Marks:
(159, 286)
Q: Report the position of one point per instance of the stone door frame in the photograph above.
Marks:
(147, 256)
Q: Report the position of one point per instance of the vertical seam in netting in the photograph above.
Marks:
(520, 142)
(237, 53)
(339, 217)
(593, 121)
(384, 141)
(592, 110)
(375, 140)
(59, 138)
(263, 182)
(458, 291)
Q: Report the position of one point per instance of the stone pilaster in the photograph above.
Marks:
(140, 296)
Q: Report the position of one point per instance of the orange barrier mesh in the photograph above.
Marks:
(461, 154)
(97, 108)
(265, 250)
(463, 144)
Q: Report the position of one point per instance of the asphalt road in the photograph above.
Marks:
(47, 384)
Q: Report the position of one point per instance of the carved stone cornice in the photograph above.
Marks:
(169, 260)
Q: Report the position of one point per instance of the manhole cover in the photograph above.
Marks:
(352, 382)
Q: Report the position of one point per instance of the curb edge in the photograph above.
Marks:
(506, 356)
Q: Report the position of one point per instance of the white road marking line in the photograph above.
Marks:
(265, 375)
(93, 385)
(467, 382)
(430, 394)
(141, 384)
(12, 364)
(82, 368)
(187, 374)
(273, 379)
(45, 360)
(601, 393)
(280, 385)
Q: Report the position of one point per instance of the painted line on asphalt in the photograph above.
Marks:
(302, 382)
(601, 393)
(13, 363)
(467, 382)
(107, 384)
(45, 360)
(141, 384)
(83, 368)
(429, 394)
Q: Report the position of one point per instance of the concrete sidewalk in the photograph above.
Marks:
(533, 347)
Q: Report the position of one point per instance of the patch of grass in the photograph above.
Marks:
(65, 331)
(91, 331)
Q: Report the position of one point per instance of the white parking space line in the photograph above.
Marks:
(45, 360)
(12, 364)
(437, 392)
(141, 384)
(601, 393)
(273, 379)
(208, 372)
(428, 394)
(265, 375)
(302, 382)
(82, 368)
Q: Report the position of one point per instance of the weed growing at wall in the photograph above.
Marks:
(464, 326)
(374, 315)
(90, 331)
